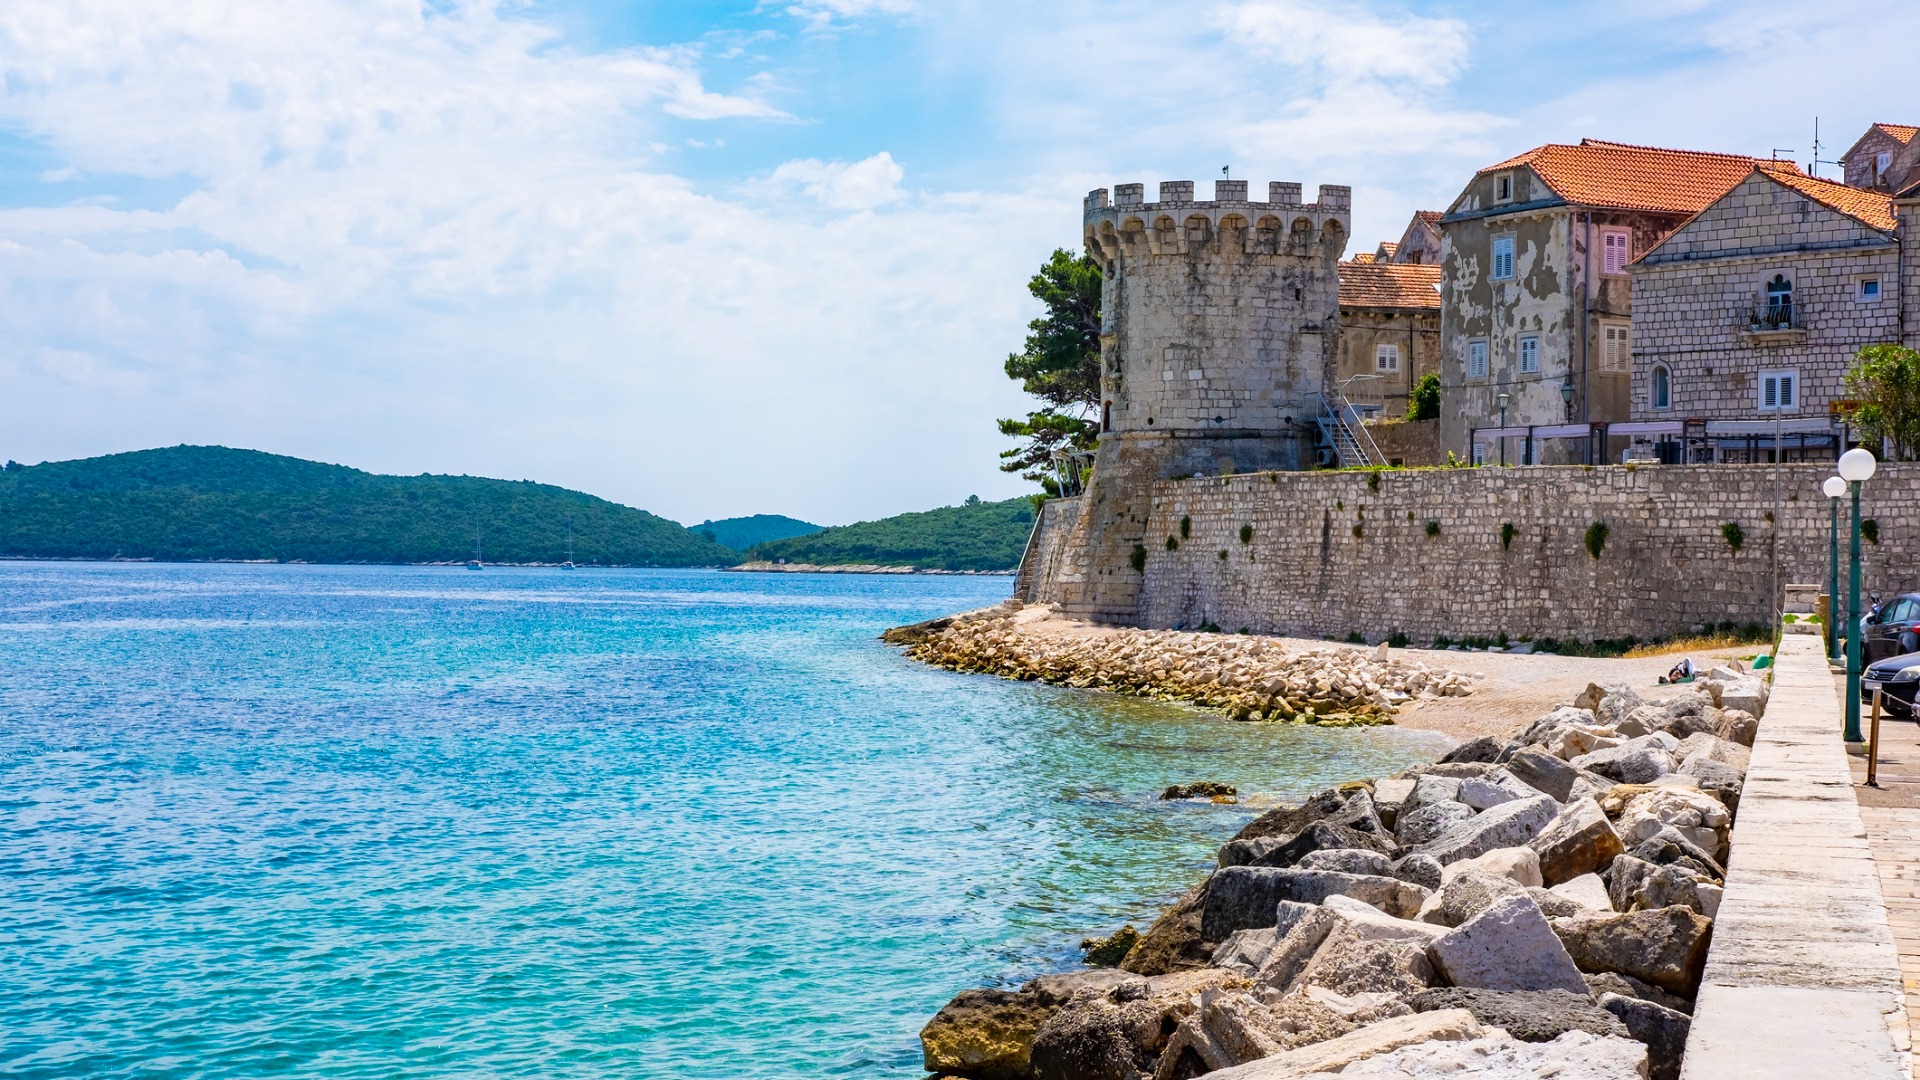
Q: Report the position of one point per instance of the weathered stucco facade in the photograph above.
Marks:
(1549, 325)
(1389, 331)
(1429, 553)
(1220, 331)
(1756, 307)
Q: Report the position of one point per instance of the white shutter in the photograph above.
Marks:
(1476, 360)
(1616, 349)
(1617, 250)
(1502, 257)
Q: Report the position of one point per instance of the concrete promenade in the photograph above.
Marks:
(1803, 979)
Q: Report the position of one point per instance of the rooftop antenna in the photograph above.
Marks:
(1813, 169)
(1224, 173)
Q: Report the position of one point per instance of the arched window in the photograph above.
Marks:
(1779, 303)
(1662, 387)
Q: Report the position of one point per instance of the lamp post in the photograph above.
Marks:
(1503, 399)
(1566, 397)
(1856, 467)
(1833, 489)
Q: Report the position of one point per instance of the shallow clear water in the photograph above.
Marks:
(379, 822)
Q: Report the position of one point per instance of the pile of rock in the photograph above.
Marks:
(1527, 907)
(1249, 676)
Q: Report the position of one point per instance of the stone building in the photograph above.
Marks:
(1389, 331)
(1752, 311)
(1536, 297)
(1886, 159)
(1421, 243)
(1220, 330)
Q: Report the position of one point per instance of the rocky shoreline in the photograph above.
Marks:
(1250, 677)
(1525, 907)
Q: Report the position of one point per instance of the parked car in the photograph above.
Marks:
(1898, 680)
(1890, 629)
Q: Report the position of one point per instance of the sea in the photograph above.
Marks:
(390, 822)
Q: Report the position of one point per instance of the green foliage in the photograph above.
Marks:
(975, 536)
(1596, 538)
(1885, 380)
(1172, 544)
(1355, 637)
(1208, 626)
(1433, 528)
(1870, 531)
(1060, 365)
(1223, 554)
(742, 533)
(1397, 640)
(1373, 480)
(1507, 532)
(1139, 558)
(1423, 403)
(1186, 526)
(202, 503)
(1246, 534)
(1359, 529)
(1733, 535)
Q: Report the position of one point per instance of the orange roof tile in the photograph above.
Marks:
(1390, 247)
(1902, 132)
(1431, 217)
(1389, 285)
(1870, 208)
(1363, 257)
(1626, 177)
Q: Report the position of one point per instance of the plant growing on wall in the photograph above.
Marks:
(1172, 544)
(1433, 528)
(1424, 402)
(1246, 534)
(1359, 529)
(1373, 481)
(1186, 526)
(1734, 536)
(1397, 640)
(1139, 558)
(1596, 538)
(1223, 554)
(1506, 535)
(1870, 531)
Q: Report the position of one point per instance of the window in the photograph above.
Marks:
(1662, 387)
(1477, 359)
(1779, 312)
(1882, 161)
(1869, 288)
(1777, 389)
(1503, 188)
(1479, 453)
(1616, 348)
(1530, 355)
(1617, 248)
(1386, 358)
(1502, 258)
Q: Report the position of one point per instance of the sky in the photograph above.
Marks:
(717, 259)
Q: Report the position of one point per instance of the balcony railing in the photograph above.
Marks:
(1770, 317)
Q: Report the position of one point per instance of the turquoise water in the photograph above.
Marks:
(382, 822)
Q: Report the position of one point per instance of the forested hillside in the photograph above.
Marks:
(974, 536)
(194, 503)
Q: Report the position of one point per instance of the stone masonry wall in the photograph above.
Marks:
(1330, 553)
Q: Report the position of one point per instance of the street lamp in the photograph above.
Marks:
(1503, 399)
(1833, 489)
(1856, 467)
(1566, 397)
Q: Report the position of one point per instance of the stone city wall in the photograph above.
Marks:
(1329, 553)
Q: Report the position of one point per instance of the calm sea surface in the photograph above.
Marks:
(397, 822)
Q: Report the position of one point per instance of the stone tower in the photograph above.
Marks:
(1220, 326)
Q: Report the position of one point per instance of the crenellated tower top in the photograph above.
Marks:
(1284, 224)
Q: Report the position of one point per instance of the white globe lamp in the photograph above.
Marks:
(1834, 487)
(1857, 465)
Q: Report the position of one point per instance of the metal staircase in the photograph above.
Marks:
(1342, 433)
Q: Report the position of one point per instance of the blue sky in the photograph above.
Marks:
(727, 258)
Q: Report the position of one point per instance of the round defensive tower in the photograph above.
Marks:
(1219, 330)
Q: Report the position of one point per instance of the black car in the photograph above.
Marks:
(1891, 629)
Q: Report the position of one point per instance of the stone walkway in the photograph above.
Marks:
(1892, 816)
(1803, 979)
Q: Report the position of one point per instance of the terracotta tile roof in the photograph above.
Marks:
(1870, 208)
(1626, 177)
(1389, 285)
(1431, 217)
(1902, 132)
(1363, 257)
(1389, 248)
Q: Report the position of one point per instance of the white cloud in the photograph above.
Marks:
(859, 185)
(1343, 41)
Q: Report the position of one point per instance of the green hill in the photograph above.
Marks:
(742, 533)
(198, 503)
(974, 536)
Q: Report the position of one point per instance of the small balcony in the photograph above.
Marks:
(1773, 323)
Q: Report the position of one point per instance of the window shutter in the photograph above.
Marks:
(1769, 393)
(1786, 391)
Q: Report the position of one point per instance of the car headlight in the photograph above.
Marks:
(1906, 675)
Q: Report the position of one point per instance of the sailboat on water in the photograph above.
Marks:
(474, 563)
(568, 565)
